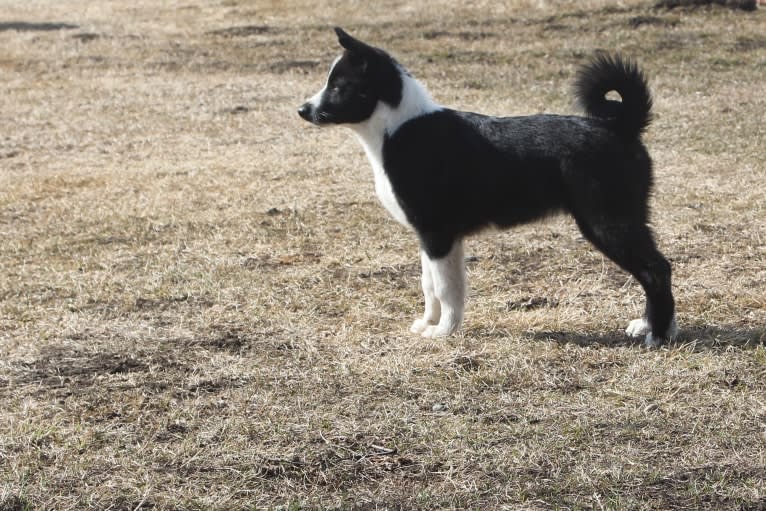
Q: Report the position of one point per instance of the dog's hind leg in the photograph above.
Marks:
(432, 305)
(659, 313)
(632, 247)
(448, 280)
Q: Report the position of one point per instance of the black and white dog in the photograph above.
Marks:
(447, 174)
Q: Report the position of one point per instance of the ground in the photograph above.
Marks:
(203, 306)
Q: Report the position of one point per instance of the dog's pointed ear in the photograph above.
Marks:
(351, 43)
(345, 39)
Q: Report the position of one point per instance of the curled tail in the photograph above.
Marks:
(629, 117)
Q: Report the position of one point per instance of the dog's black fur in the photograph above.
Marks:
(454, 173)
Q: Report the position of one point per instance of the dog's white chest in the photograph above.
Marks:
(383, 188)
(386, 195)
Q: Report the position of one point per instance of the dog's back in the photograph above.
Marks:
(462, 171)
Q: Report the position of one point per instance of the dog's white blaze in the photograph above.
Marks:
(316, 99)
(386, 120)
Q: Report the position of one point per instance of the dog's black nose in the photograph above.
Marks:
(305, 111)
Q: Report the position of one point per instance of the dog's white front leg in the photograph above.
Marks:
(448, 274)
(432, 306)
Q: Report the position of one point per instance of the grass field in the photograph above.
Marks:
(203, 306)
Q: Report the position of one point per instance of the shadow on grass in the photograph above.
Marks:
(23, 26)
(695, 338)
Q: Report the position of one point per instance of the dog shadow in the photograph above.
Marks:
(693, 338)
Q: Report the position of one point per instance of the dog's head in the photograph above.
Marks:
(359, 79)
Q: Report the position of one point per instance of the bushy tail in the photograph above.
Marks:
(629, 117)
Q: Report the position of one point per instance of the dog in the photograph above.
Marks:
(447, 174)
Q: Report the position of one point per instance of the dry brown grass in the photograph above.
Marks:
(202, 305)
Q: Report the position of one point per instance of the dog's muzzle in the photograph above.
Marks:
(306, 111)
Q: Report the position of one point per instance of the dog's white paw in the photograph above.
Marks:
(672, 329)
(638, 327)
(652, 341)
(434, 331)
(419, 326)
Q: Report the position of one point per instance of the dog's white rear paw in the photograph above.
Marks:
(419, 326)
(652, 341)
(638, 327)
(672, 329)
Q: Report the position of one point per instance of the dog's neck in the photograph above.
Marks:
(385, 120)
